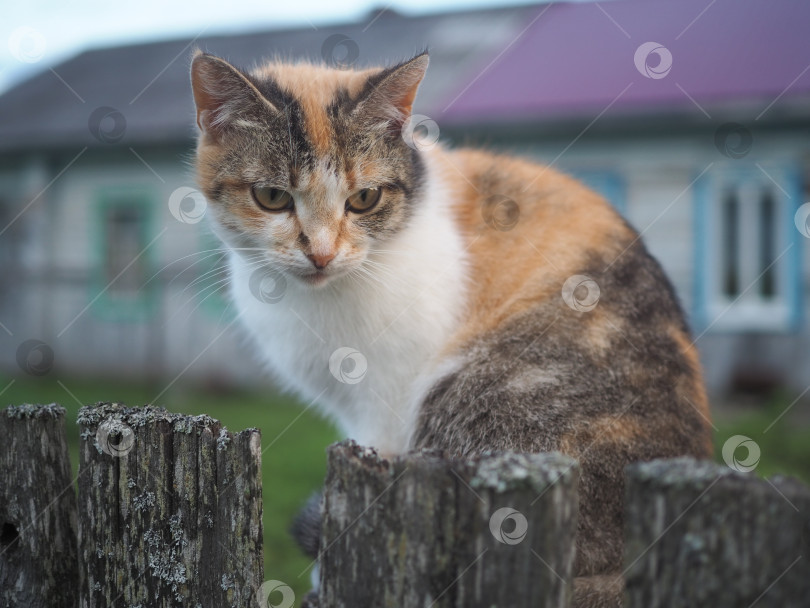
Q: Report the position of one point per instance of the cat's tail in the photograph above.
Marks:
(306, 527)
(598, 591)
(306, 531)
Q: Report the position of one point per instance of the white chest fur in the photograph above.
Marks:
(318, 341)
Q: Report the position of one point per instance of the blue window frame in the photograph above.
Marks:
(747, 249)
(120, 289)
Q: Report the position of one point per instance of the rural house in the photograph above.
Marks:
(693, 120)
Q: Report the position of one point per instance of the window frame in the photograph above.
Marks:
(711, 310)
(105, 306)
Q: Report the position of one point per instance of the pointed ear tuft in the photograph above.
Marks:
(222, 94)
(392, 92)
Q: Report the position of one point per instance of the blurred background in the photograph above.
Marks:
(691, 117)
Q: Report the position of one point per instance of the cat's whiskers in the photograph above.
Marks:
(218, 287)
(394, 251)
(215, 287)
(364, 276)
(207, 275)
(197, 253)
(388, 268)
(354, 275)
(370, 281)
(385, 274)
(219, 284)
(210, 253)
(367, 272)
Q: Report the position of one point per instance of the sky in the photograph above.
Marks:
(38, 34)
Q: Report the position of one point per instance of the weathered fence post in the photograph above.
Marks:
(38, 564)
(425, 531)
(170, 510)
(700, 534)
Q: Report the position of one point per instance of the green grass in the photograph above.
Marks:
(784, 442)
(294, 440)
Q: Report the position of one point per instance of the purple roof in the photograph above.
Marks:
(579, 58)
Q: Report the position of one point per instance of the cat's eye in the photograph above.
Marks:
(363, 200)
(272, 199)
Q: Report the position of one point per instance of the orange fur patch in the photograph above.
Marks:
(603, 330)
(511, 271)
(604, 430)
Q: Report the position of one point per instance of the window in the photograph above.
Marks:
(124, 266)
(747, 250)
(122, 288)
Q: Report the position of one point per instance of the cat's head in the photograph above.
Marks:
(304, 166)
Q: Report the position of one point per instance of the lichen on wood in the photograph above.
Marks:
(170, 507)
(701, 534)
(424, 530)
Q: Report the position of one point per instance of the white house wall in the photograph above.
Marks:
(63, 310)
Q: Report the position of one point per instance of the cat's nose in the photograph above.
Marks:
(321, 260)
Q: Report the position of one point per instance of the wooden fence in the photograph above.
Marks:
(169, 514)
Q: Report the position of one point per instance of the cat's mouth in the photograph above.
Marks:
(318, 277)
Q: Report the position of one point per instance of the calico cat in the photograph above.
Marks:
(486, 302)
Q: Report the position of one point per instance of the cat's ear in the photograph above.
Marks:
(391, 93)
(224, 96)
